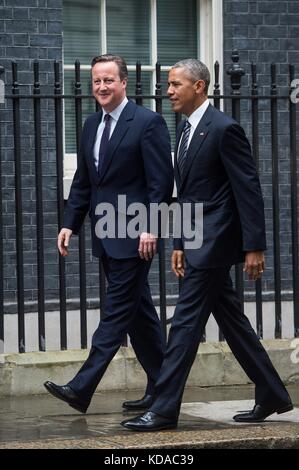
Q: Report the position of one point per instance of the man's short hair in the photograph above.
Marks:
(118, 60)
(196, 70)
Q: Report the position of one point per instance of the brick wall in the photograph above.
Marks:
(265, 32)
(29, 30)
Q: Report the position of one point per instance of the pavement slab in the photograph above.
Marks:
(42, 422)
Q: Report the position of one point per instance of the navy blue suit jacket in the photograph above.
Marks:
(220, 173)
(137, 164)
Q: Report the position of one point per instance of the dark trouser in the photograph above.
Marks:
(128, 309)
(206, 291)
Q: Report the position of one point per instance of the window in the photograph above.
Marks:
(144, 30)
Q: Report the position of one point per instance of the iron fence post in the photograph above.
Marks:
(236, 73)
(39, 210)
(18, 208)
(1, 229)
(255, 153)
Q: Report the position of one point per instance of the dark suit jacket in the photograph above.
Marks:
(137, 164)
(220, 173)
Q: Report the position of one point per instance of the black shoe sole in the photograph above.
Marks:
(141, 429)
(136, 408)
(55, 394)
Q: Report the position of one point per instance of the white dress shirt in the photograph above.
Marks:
(115, 114)
(195, 118)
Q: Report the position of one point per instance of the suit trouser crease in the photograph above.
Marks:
(204, 292)
(247, 348)
(127, 296)
(148, 342)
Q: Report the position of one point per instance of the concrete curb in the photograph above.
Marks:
(24, 374)
(262, 437)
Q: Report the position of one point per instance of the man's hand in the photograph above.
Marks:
(147, 246)
(63, 240)
(254, 264)
(177, 263)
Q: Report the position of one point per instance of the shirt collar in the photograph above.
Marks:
(117, 111)
(196, 116)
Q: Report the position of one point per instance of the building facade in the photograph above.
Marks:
(148, 31)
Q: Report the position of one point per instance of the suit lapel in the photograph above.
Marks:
(119, 132)
(197, 140)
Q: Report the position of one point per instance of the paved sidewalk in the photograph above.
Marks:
(42, 422)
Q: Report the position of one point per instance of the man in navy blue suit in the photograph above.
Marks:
(125, 150)
(213, 166)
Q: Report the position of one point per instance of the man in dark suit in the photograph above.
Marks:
(213, 166)
(125, 150)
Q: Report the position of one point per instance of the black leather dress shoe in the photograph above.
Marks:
(143, 404)
(65, 393)
(149, 422)
(261, 412)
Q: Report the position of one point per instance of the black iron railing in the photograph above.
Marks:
(57, 98)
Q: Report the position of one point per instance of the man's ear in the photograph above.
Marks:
(199, 86)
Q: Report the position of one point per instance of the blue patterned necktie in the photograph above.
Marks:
(184, 147)
(104, 142)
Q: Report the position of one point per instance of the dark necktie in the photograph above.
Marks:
(184, 147)
(104, 142)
